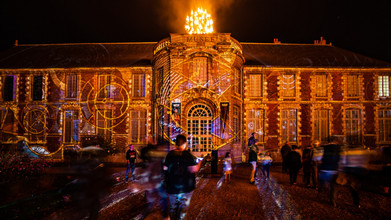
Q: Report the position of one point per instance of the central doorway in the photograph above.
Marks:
(199, 125)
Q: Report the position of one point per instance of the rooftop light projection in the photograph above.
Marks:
(199, 22)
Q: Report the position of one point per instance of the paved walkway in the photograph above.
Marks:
(267, 199)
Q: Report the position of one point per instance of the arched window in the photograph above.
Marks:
(199, 124)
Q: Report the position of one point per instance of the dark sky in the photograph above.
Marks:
(359, 26)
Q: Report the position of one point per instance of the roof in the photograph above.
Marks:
(306, 55)
(77, 55)
(42, 56)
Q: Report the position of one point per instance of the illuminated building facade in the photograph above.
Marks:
(210, 87)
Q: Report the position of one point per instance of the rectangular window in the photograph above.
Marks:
(104, 85)
(289, 125)
(236, 123)
(200, 71)
(321, 85)
(384, 86)
(236, 81)
(36, 125)
(353, 126)
(104, 123)
(288, 85)
(38, 93)
(160, 80)
(321, 125)
(256, 123)
(9, 88)
(8, 125)
(138, 125)
(138, 85)
(255, 82)
(71, 86)
(353, 86)
(71, 131)
(384, 125)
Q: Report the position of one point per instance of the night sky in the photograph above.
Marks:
(360, 26)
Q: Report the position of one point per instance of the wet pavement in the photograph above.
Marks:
(267, 199)
(215, 199)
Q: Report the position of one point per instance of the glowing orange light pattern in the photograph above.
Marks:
(199, 22)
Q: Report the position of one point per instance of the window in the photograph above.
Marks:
(35, 123)
(255, 83)
(321, 85)
(200, 71)
(138, 125)
(71, 131)
(104, 123)
(9, 88)
(384, 125)
(352, 86)
(288, 125)
(288, 85)
(160, 80)
(138, 85)
(256, 123)
(236, 81)
(353, 126)
(8, 125)
(223, 79)
(236, 123)
(71, 86)
(104, 86)
(321, 125)
(384, 86)
(199, 125)
(38, 93)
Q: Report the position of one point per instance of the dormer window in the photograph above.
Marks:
(38, 92)
(9, 88)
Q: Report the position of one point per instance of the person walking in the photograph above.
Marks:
(309, 167)
(266, 162)
(328, 169)
(227, 167)
(130, 162)
(293, 164)
(252, 140)
(252, 159)
(151, 178)
(284, 153)
(180, 167)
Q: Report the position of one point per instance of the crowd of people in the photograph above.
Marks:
(325, 171)
(319, 172)
(168, 177)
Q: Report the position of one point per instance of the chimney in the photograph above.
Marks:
(320, 42)
(276, 41)
(16, 43)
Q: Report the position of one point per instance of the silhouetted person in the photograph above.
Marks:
(309, 167)
(284, 153)
(354, 172)
(293, 162)
(180, 167)
(329, 168)
(94, 182)
(130, 161)
(252, 159)
(252, 140)
(152, 177)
